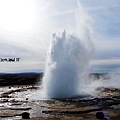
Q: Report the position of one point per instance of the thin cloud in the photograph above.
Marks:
(105, 62)
(101, 7)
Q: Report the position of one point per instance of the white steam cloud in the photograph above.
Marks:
(67, 60)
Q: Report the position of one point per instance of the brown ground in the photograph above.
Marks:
(61, 109)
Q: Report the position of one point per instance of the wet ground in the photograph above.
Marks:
(15, 100)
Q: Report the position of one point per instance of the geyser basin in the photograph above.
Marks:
(67, 60)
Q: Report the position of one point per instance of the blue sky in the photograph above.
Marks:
(26, 27)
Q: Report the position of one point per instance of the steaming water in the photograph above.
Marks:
(66, 62)
(68, 59)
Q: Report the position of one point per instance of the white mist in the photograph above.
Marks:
(67, 60)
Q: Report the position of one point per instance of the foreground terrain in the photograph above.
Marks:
(17, 99)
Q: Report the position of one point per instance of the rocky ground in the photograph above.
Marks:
(14, 101)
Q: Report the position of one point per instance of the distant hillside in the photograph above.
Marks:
(19, 78)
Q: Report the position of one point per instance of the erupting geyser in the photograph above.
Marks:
(67, 59)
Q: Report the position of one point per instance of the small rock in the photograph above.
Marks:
(26, 98)
(26, 115)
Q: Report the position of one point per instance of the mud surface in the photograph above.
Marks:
(15, 100)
